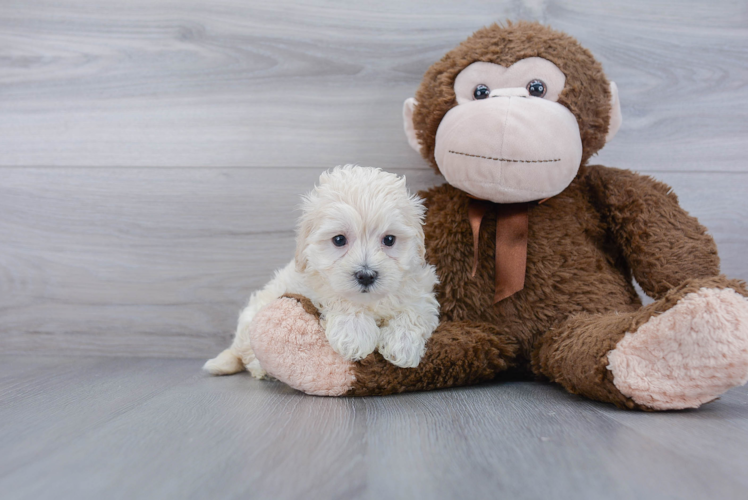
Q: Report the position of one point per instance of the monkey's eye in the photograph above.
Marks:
(339, 240)
(536, 88)
(388, 240)
(481, 91)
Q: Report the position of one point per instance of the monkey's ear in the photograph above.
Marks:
(410, 132)
(615, 112)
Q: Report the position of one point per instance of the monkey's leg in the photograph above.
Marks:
(291, 346)
(679, 352)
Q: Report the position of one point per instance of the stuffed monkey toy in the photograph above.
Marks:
(536, 250)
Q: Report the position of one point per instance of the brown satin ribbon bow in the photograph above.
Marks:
(511, 244)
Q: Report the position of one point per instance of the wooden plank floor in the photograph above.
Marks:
(160, 428)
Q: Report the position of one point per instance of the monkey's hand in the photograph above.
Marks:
(291, 345)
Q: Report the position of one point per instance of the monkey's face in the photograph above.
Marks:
(510, 132)
(508, 140)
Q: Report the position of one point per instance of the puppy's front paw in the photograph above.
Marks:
(352, 336)
(402, 344)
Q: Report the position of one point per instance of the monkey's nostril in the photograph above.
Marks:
(365, 277)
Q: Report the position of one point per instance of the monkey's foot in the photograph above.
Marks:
(291, 346)
(686, 356)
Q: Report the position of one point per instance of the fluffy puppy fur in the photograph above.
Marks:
(373, 291)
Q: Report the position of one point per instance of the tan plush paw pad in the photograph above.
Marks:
(686, 356)
(291, 346)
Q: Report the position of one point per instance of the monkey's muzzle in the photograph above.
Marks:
(509, 148)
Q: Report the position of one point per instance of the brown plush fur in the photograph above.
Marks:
(586, 93)
(584, 247)
(458, 353)
(578, 299)
(575, 353)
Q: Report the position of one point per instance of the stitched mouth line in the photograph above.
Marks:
(504, 159)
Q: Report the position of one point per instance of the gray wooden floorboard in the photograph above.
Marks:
(156, 428)
(530, 440)
(714, 434)
(36, 412)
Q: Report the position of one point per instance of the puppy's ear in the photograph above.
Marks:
(302, 237)
(304, 230)
(418, 211)
(420, 245)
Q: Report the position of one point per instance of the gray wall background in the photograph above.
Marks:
(152, 152)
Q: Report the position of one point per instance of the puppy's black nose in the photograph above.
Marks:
(366, 277)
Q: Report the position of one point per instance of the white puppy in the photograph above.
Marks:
(360, 260)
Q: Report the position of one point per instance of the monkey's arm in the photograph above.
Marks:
(290, 344)
(458, 353)
(661, 243)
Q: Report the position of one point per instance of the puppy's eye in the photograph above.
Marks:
(388, 240)
(481, 91)
(339, 240)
